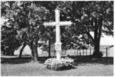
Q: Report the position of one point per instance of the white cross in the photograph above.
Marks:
(58, 23)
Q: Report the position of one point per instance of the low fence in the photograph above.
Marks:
(108, 51)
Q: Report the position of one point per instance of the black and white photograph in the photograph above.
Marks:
(57, 38)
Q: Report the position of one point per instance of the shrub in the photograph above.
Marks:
(54, 64)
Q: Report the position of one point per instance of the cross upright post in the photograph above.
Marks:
(58, 23)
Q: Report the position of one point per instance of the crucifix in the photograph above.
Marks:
(58, 23)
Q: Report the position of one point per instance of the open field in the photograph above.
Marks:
(84, 66)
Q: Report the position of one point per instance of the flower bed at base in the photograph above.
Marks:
(54, 64)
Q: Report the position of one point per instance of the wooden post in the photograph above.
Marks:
(106, 52)
(80, 52)
(86, 51)
(74, 52)
(83, 51)
(90, 51)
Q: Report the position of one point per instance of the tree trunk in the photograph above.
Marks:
(97, 53)
(20, 55)
(34, 51)
(97, 38)
(97, 48)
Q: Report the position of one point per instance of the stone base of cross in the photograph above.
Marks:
(58, 24)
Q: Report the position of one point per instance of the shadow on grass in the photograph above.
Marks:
(15, 60)
(77, 59)
(63, 68)
(91, 60)
(86, 60)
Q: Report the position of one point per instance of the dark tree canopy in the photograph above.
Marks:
(27, 19)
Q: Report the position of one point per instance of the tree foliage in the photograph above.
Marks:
(93, 16)
(27, 18)
(9, 41)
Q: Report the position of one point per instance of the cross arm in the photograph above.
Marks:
(65, 23)
(49, 24)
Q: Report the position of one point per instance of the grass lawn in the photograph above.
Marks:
(84, 66)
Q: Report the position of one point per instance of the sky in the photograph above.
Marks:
(106, 40)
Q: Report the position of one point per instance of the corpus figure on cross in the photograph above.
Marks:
(58, 23)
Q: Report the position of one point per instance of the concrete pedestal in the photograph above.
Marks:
(58, 50)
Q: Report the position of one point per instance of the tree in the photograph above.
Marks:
(49, 35)
(20, 55)
(92, 16)
(8, 40)
(27, 18)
